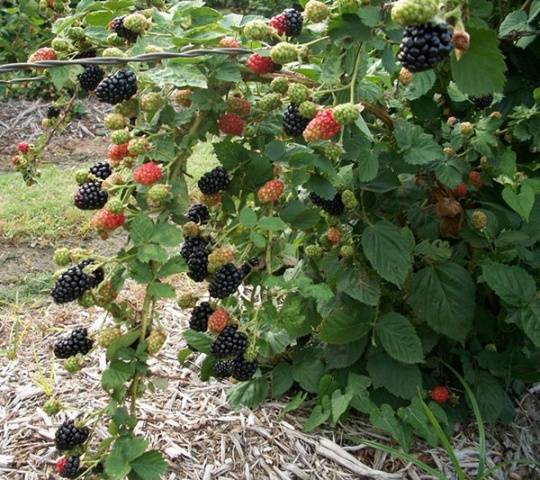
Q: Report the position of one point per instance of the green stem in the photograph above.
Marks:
(364, 213)
(268, 257)
(355, 75)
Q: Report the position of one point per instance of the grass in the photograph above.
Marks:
(28, 289)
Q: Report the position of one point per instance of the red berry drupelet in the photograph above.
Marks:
(214, 181)
(271, 191)
(117, 87)
(101, 170)
(293, 123)
(68, 467)
(199, 317)
(333, 207)
(116, 153)
(440, 394)
(261, 65)
(230, 342)
(23, 147)
(147, 173)
(71, 284)
(242, 370)
(107, 220)
(76, 342)
(322, 127)
(226, 281)
(198, 213)
(42, 54)
(229, 42)
(231, 124)
(91, 77)
(69, 436)
(90, 196)
(218, 320)
(289, 22)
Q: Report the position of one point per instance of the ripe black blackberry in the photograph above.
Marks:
(117, 87)
(295, 22)
(76, 342)
(248, 266)
(214, 181)
(199, 317)
(91, 77)
(222, 369)
(230, 342)
(425, 45)
(101, 170)
(481, 103)
(242, 370)
(198, 213)
(90, 196)
(53, 112)
(226, 281)
(198, 264)
(69, 436)
(293, 123)
(332, 207)
(117, 26)
(191, 244)
(69, 468)
(71, 284)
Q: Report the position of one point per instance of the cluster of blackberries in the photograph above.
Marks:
(117, 26)
(101, 170)
(69, 436)
(332, 207)
(91, 77)
(230, 342)
(69, 466)
(117, 87)
(214, 181)
(76, 342)
(239, 368)
(199, 317)
(53, 112)
(198, 213)
(195, 251)
(425, 45)
(90, 196)
(481, 103)
(71, 284)
(226, 281)
(293, 123)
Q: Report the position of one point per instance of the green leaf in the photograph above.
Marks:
(528, 319)
(295, 403)
(247, 217)
(141, 229)
(340, 404)
(321, 187)
(522, 202)
(150, 465)
(513, 284)
(274, 224)
(117, 374)
(414, 415)
(368, 167)
(132, 447)
(387, 251)
(297, 215)
(385, 419)
(161, 290)
(198, 340)
(398, 378)
(480, 71)
(173, 266)
(399, 338)
(343, 356)
(317, 417)
(515, 21)
(421, 84)
(179, 74)
(116, 466)
(166, 234)
(150, 251)
(308, 373)
(258, 240)
(418, 147)
(282, 379)
(360, 285)
(248, 394)
(60, 76)
(443, 296)
(492, 398)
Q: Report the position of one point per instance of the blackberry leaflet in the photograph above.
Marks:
(101, 170)
(117, 26)
(214, 181)
(76, 342)
(71, 284)
(226, 281)
(199, 317)
(230, 342)
(294, 124)
(332, 207)
(90, 196)
(295, 22)
(71, 466)
(242, 370)
(198, 213)
(425, 45)
(198, 264)
(53, 112)
(117, 87)
(91, 77)
(69, 436)
(222, 369)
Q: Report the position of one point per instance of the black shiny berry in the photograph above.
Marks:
(91, 77)
(53, 112)
(214, 181)
(70, 467)
(117, 26)
(71, 284)
(117, 87)
(191, 244)
(90, 196)
(198, 264)
(101, 170)
(76, 342)
(222, 369)
(293, 123)
(198, 213)
(332, 207)
(294, 23)
(199, 317)
(230, 342)
(226, 281)
(69, 436)
(425, 45)
(242, 370)
(481, 103)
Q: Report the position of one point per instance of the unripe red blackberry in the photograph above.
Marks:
(440, 394)
(218, 320)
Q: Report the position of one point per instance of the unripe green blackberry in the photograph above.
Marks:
(108, 335)
(148, 12)
(348, 6)
(76, 33)
(114, 40)
(153, 49)
(128, 108)
(346, 113)
(81, 176)
(151, 102)
(313, 251)
(139, 146)
(105, 293)
(183, 97)
(191, 229)
(61, 257)
(308, 109)
(155, 341)
(333, 151)
(479, 220)
(346, 251)
(115, 121)
(269, 102)
(298, 93)
(113, 52)
(119, 137)
(284, 52)
(316, 11)
(279, 85)
(159, 193)
(136, 22)
(61, 45)
(256, 30)
(86, 300)
(52, 407)
(115, 205)
(187, 300)
(414, 12)
(466, 128)
(349, 200)
(73, 364)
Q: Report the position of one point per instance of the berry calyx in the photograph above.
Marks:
(271, 191)
(231, 124)
(147, 173)
(440, 394)
(322, 127)
(218, 320)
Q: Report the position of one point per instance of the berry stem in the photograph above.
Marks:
(268, 257)
(355, 75)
